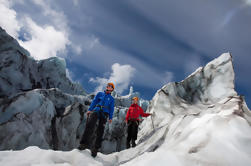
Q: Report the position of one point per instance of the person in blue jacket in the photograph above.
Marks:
(101, 108)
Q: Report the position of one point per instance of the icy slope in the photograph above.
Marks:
(34, 156)
(199, 121)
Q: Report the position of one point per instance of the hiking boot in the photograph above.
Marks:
(94, 152)
(133, 143)
(82, 147)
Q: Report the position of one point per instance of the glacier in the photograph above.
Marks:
(40, 106)
(191, 125)
(200, 121)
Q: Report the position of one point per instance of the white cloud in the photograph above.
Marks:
(8, 19)
(57, 17)
(89, 43)
(77, 49)
(248, 2)
(121, 76)
(230, 15)
(75, 2)
(45, 41)
(92, 42)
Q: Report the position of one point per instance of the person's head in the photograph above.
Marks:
(135, 100)
(110, 87)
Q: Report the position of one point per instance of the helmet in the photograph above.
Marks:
(111, 84)
(135, 98)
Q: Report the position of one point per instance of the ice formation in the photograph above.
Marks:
(40, 106)
(200, 121)
(20, 72)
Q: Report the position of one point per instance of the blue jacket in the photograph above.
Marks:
(105, 100)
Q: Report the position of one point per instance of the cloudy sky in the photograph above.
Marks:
(143, 43)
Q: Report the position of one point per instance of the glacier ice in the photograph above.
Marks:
(38, 92)
(202, 129)
(198, 121)
(20, 72)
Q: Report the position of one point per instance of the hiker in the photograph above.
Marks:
(132, 119)
(100, 109)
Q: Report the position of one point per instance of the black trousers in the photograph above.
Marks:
(90, 127)
(132, 130)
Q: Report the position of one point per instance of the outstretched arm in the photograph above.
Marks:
(143, 114)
